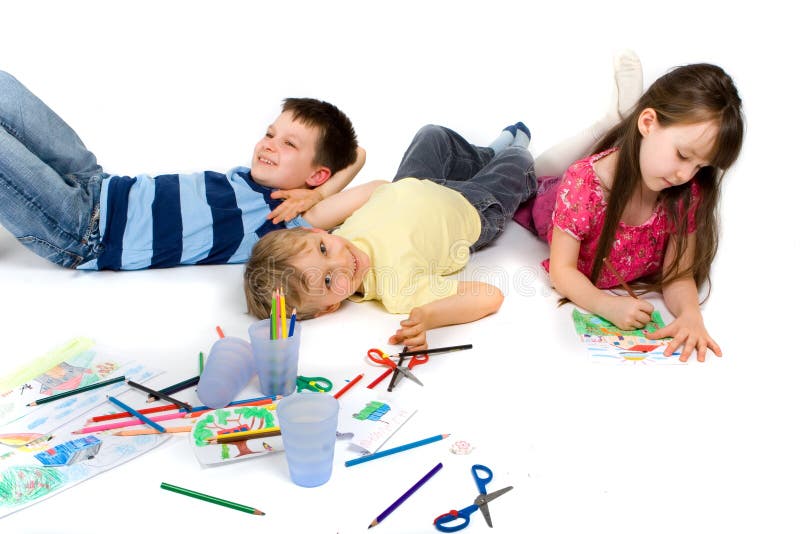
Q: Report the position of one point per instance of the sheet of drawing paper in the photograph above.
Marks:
(85, 364)
(24, 480)
(371, 418)
(226, 419)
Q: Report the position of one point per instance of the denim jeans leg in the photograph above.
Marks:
(439, 154)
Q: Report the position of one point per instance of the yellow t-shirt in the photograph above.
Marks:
(415, 232)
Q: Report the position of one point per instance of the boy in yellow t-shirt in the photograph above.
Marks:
(449, 197)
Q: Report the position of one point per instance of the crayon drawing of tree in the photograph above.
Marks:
(254, 417)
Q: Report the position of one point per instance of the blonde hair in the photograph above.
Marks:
(271, 267)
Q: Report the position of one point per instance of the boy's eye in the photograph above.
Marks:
(269, 134)
(327, 280)
(682, 157)
(322, 248)
(290, 144)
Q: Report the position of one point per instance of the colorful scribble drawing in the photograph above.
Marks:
(608, 343)
(25, 484)
(226, 420)
(71, 451)
(372, 411)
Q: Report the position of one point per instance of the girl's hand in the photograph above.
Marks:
(687, 330)
(295, 201)
(412, 332)
(627, 313)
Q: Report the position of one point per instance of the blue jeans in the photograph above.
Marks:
(496, 184)
(49, 182)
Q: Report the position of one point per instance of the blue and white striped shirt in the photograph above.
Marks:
(182, 219)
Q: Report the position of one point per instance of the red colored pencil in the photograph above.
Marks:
(122, 415)
(348, 386)
(377, 381)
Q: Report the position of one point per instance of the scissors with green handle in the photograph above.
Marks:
(457, 519)
(314, 383)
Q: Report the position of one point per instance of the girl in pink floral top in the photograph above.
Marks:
(645, 202)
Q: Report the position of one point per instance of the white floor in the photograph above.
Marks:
(181, 86)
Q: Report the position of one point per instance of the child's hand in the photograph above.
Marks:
(412, 332)
(687, 330)
(627, 313)
(295, 201)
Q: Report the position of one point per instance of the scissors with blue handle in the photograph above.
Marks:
(314, 383)
(443, 522)
(378, 356)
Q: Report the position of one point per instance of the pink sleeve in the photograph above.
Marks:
(577, 202)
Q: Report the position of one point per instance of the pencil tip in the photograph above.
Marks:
(374, 522)
(445, 435)
(259, 512)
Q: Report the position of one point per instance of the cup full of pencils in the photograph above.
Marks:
(276, 349)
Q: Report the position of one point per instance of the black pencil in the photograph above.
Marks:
(434, 351)
(174, 388)
(162, 396)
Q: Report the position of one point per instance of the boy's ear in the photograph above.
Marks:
(330, 309)
(648, 119)
(319, 177)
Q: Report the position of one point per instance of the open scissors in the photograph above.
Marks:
(481, 502)
(417, 359)
(314, 383)
(378, 356)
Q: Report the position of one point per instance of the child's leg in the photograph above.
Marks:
(54, 215)
(439, 154)
(627, 90)
(24, 116)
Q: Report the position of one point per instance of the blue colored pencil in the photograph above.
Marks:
(291, 324)
(406, 495)
(401, 448)
(136, 414)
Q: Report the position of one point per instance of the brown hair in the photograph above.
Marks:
(337, 143)
(686, 95)
(270, 267)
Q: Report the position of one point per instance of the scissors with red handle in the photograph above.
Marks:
(380, 357)
(417, 359)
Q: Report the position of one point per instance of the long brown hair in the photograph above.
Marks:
(686, 95)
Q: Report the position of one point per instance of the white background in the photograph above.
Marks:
(162, 87)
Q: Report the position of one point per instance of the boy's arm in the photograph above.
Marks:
(681, 298)
(626, 312)
(332, 211)
(300, 200)
(473, 301)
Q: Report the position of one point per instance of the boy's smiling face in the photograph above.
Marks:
(333, 269)
(284, 157)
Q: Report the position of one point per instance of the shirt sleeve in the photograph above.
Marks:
(577, 202)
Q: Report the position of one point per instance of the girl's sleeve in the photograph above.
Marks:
(576, 202)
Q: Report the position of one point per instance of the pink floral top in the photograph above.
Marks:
(578, 206)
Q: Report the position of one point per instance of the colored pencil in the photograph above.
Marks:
(273, 320)
(131, 422)
(209, 498)
(75, 391)
(200, 364)
(401, 448)
(378, 380)
(142, 418)
(144, 431)
(348, 386)
(180, 386)
(122, 415)
(284, 332)
(433, 351)
(256, 401)
(220, 333)
(245, 435)
(619, 278)
(162, 396)
(293, 320)
(406, 495)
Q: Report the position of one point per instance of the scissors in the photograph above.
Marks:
(378, 356)
(417, 359)
(314, 383)
(481, 501)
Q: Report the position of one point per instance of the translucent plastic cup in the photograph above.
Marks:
(275, 359)
(228, 370)
(308, 428)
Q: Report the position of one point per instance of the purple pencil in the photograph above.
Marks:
(406, 495)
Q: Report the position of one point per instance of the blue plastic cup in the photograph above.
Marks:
(308, 428)
(275, 359)
(226, 373)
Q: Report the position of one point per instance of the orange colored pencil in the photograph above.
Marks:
(619, 278)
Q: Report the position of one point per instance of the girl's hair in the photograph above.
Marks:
(686, 95)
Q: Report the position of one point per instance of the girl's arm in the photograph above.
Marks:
(473, 301)
(626, 312)
(335, 209)
(300, 200)
(682, 300)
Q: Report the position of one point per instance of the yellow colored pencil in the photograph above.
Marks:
(284, 332)
(246, 434)
(145, 431)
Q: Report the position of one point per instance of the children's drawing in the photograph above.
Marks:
(225, 420)
(71, 451)
(25, 481)
(371, 421)
(607, 343)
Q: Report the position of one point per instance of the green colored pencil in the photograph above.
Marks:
(76, 391)
(273, 319)
(200, 363)
(209, 498)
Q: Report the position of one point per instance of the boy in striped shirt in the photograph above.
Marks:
(57, 201)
